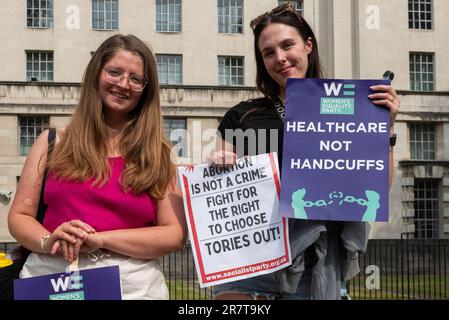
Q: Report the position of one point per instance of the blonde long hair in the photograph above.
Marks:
(82, 153)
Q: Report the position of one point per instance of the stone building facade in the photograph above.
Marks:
(204, 50)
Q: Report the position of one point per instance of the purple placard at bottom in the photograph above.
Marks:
(89, 284)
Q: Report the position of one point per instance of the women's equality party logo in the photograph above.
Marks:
(338, 101)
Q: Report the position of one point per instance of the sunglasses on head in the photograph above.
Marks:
(286, 7)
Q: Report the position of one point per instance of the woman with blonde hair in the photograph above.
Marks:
(110, 194)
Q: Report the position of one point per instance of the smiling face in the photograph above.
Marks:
(284, 52)
(118, 99)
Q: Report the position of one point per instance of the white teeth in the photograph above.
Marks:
(118, 95)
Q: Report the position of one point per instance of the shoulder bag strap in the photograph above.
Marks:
(280, 111)
(42, 207)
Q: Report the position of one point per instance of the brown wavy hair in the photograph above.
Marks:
(82, 152)
(264, 82)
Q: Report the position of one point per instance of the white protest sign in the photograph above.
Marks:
(233, 218)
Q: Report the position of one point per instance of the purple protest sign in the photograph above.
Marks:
(336, 152)
(89, 284)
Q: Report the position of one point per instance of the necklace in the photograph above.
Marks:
(112, 130)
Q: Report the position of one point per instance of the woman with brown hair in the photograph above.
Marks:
(323, 253)
(111, 191)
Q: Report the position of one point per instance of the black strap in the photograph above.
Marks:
(280, 111)
(42, 207)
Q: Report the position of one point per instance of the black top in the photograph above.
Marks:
(261, 128)
(253, 115)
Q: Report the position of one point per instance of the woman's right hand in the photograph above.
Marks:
(68, 239)
(223, 155)
(222, 158)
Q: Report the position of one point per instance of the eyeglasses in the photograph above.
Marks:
(286, 7)
(114, 76)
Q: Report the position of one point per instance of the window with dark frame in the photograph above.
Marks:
(299, 5)
(422, 141)
(40, 13)
(426, 205)
(422, 76)
(230, 16)
(168, 15)
(169, 68)
(231, 71)
(175, 130)
(39, 66)
(105, 14)
(420, 14)
(30, 127)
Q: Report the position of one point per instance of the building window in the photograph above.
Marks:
(169, 68)
(175, 130)
(30, 129)
(230, 16)
(421, 72)
(230, 71)
(104, 14)
(39, 65)
(422, 141)
(420, 14)
(40, 13)
(168, 15)
(426, 204)
(297, 3)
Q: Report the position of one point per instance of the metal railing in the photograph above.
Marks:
(181, 277)
(403, 269)
(390, 269)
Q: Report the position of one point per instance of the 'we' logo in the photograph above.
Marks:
(334, 89)
(67, 283)
(340, 98)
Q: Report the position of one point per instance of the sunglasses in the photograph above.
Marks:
(286, 7)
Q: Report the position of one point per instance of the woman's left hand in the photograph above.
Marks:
(385, 95)
(93, 242)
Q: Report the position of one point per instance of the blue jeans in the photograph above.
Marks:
(267, 286)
